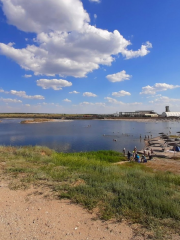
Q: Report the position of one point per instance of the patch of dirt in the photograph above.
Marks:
(28, 215)
(78, 182)
(166, 165)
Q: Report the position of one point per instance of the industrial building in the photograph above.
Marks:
(140, 113)
(168, 113)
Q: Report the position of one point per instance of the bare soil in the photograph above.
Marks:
(34, 215)
(165, 165)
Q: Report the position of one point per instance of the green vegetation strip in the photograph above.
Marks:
(129, 190)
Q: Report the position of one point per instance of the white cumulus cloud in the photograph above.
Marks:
(165, 100)
(55, 84)
(89, 94)
(121, 93)
(75, 92)
(23, 94)
(66, 44)
(143, 51)
(86, 103)
(114, 101)
(118, 77)
(27, 76)
(158, 87)
(98, 1)
(10, 100)
(98, 104)
(45, 15)
(67, 100)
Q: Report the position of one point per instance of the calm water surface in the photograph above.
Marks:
(82, 135)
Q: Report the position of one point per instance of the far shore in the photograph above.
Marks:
(141, 119)
(32, 121)
(45, 117)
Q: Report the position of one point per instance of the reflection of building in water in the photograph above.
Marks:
(168, 113)
(140, 113)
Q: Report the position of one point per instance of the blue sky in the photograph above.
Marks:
(89, 56)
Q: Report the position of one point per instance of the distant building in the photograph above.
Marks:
(140, 113)
(116, 114)
(168, 113)
(167, 109)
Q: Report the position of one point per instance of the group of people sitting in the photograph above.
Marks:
(134, 156)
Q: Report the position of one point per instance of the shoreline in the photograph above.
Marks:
(162, 148)
(43, 121)
(149, 120)
(142, 119)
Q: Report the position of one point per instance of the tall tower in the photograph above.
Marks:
(167, 109)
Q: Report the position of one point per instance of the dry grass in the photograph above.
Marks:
(165, 165)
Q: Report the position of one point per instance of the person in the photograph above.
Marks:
(143, 159)
(135, 149)
(151, 151)
(133, 155)
(138, 158)
(124, 151)
(144, 152)
(129, 155)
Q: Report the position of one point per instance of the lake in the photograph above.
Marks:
(83, 135)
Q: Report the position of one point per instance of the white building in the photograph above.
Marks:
(170, 114)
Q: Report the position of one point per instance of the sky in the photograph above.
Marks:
(89, 56)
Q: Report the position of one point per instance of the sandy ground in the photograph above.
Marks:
(29, 215)
(33, 215)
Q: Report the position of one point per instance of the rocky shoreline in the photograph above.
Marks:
(163, 146)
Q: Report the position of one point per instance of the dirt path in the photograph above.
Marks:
(29, 215)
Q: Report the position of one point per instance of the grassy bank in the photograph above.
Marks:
(131, 191)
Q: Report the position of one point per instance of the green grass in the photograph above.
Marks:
(129, 190)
